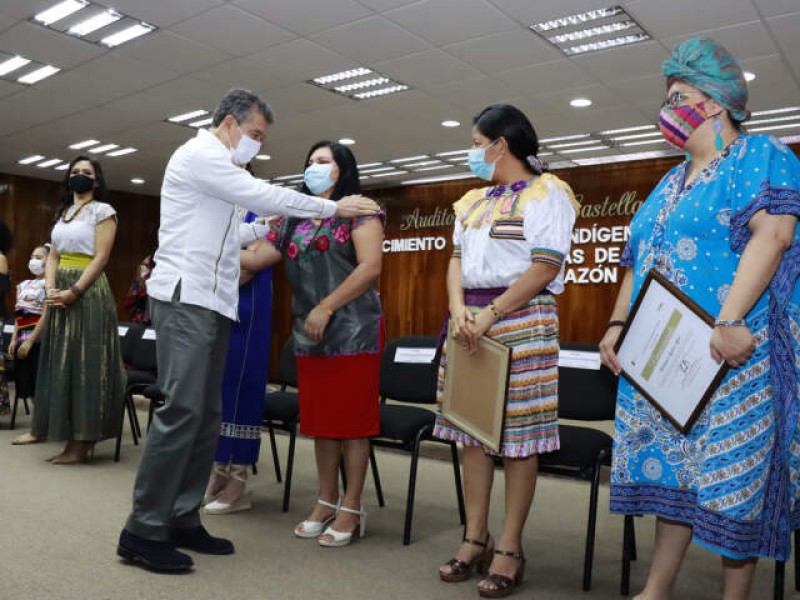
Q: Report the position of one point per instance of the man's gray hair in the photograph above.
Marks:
(240, 104)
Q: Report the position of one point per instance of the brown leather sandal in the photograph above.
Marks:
(503, 586)
(460, 570)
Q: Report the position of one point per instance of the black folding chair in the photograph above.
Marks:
(138, 351)
(405, 427)
(282, 412)
(583, 395)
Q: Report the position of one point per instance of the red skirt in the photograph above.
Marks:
(339, 395)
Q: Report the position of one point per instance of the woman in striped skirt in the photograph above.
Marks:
(509, 242)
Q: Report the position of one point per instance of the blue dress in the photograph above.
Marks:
(244, 384)
(735, 477)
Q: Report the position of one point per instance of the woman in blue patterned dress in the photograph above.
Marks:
(722, 227)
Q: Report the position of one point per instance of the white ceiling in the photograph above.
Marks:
(456, 55)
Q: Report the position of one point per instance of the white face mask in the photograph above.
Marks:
(36, 266)
(245, 150)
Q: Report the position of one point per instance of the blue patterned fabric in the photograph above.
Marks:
(735, 477)
(245, 381)
(706, 65)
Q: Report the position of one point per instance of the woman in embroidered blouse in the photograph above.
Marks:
(722, 227)
(509, 242)
(332, 266)
(80, 387)
(28, 309)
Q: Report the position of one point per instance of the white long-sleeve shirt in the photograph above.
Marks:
(198, 240)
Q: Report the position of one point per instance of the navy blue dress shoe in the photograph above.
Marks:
(199, 540)
(152, 554)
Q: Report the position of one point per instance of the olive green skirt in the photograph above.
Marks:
(80, 385)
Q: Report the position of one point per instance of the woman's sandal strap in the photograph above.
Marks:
(328, 504)
(474, 542)
(500, 582)
(518, 554)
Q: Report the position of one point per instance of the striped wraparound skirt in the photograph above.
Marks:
(531, 418)
(80, 383)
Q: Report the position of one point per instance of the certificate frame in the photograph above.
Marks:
(476, 389)
(710, 373)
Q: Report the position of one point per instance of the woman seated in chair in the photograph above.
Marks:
(509, 241)
(332, 266)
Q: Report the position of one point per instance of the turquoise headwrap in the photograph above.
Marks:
(706, 65)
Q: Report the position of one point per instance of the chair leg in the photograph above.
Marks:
(254, 468)
(412, 487)
(130, 408)
(27, 408)
(287, 486)
(376, 477)
(588, 556)
(274, 447)
(150, 410)
(118, 447)
(627, 539)
(462, 513)
(343, 473)
(797, 560)
(780, 578)
(14, 412)
(135, 416)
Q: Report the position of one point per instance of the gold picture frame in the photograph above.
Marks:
(476, 389)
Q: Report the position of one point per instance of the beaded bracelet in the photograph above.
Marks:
(76, 290)
(611, 324)
(731, 323)
(495, 311)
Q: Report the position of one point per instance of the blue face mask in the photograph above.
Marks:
(478, 165)
(317, 177)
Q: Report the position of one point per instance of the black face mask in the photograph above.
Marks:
(80, 184)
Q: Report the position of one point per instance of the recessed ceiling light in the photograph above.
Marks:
(393, 89)
(452, 153)
(387, 174)
(564, 138)
(436, 168)
(263, 157)
(49, 163)
(12, 64)
(287, 177)
(368, 165)
(84, 144)
(137, 181)
(103, 148)
(636, 136)
(579, 19)
(772, 127)
(573, 144)
(450, 123)
(409, 158)
(362, 84)
(202, 122)
(437, 179)
(351, 74)
(643, 142)
(347, 141)
(626, 129)
(122, 152)
(580, 102)
(39, 74)
(423, 163)
(31, 159)
(63, 167)
(59, 11)
(775, 111)
(749, 76)
(94, 23)
(379, 169)
(127, 35)
(576, 150)
(187, 116)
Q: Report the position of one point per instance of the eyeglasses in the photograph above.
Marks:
(677, 98)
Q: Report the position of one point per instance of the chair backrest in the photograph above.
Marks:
(586, 394)
(409, 381)
(288, 364)
(127, 341)
(143, 350)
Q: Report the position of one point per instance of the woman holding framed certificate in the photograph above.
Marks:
(720, 227)
(509, 241)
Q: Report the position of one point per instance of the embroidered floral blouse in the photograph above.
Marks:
(498, 232)
(317, 259)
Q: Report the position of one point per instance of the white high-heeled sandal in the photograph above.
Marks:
(343, 538)
(239, 473)
(313, 529)
(222, 470)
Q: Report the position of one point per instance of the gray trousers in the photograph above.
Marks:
(192, 343)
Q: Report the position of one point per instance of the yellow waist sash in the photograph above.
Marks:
(73, 260)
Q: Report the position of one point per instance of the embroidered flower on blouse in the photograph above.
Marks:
(304, 227)
(652, 469)
(323, 243)
(272, 236)
(341, 234)
(722, 293)
(518, 186)
(291, 250)
(686, 248)
(724, 217)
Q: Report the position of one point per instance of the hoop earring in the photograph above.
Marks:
(718, 142)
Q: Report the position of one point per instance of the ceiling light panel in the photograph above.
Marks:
(193, 118)
(19, 69)
(93, 23)
(592, 31)
(359, 84)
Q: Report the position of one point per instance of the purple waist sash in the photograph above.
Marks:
(472, 297)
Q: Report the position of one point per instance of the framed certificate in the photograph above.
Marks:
(475, 389)
(664, 351)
